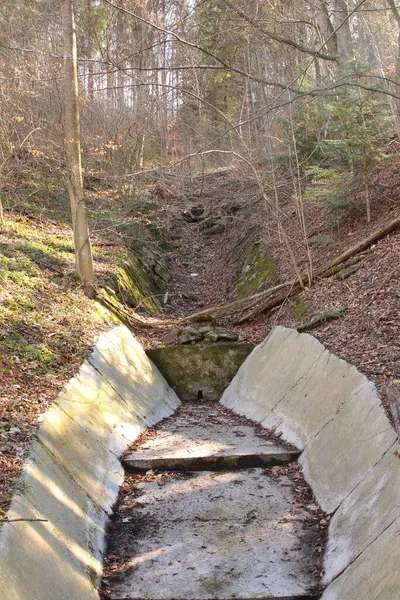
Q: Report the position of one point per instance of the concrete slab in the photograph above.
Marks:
(215, 535)
(347, 448)
(60, 557)
(314, 399)
(374, 575)
(201, 435)
(121, 360)
(95, 406)
(270, 372)
(284, 384)
(90, 465)
(364, 515)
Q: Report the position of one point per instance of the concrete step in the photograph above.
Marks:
(206, 436)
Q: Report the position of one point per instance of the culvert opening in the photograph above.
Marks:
(212, 532)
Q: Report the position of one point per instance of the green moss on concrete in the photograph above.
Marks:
(231, 461)
(136, 285)
(207, 369)
(259, 270)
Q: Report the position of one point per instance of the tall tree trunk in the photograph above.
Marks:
(342, 23)
(83, 250)
(396, 15)
(2, 221)
(89, 51)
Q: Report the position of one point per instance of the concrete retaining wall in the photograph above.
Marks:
(332, 413)
(204, 370)
(71, 481)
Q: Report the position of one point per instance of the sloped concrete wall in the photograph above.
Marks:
(332, 413)
(53, 550)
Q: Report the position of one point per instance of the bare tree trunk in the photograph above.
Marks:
(396, 15)
(90, 52)
(83, 250)
(2, 221)
(344, 36)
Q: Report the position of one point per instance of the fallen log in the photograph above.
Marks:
(330, 269)
(106, 298)
(365, 243)
(325, 317)
(252, 303)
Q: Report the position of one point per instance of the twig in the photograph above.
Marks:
(23, 520)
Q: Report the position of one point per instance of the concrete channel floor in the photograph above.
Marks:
(205, 534)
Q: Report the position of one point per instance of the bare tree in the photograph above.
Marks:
(83, 251)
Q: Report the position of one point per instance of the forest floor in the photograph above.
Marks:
(47, 326)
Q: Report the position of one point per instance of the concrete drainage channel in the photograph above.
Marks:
(53, 546)
(246, 527)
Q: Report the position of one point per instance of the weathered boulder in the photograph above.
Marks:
(211, 336)
(227, 336)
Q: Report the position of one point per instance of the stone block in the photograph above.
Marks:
(208, 369)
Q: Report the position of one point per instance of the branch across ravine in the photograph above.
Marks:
(257, 303)
(327, 271)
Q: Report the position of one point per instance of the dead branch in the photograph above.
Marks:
(207, 314)
(330, 269)
(364, 244)
(325, 317)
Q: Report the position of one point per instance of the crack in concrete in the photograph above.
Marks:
(364, 549)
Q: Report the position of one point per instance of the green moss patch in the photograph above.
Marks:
(259, 270)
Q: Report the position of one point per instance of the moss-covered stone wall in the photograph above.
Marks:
(143, 275)
(200, 371)
(258, 271)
